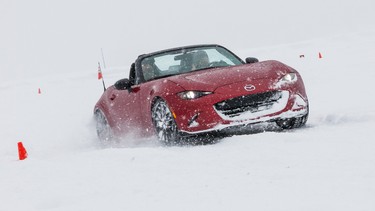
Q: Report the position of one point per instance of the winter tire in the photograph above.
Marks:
(164, 123)
(103, 130)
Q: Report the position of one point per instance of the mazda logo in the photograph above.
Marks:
(249, 87)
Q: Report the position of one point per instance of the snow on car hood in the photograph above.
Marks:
(211, 79)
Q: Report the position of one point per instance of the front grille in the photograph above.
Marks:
(249, 103)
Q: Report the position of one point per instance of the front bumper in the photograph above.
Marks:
(224, 110)
(279, 111)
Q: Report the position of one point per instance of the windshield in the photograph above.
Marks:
(186, 60)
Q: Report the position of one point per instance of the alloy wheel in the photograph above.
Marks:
(103, 130)
(164, 123)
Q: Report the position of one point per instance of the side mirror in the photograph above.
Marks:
(250, 60)
(123, 84)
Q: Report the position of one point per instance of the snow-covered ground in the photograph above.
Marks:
(328, 165)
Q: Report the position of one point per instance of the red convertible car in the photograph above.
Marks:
(196, 90)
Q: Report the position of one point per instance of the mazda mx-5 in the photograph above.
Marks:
(195, 90)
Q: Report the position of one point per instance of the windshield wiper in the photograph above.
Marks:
(213, 67)
(164, 76)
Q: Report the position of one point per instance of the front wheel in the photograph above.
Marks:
(291, 123)
(164, 123)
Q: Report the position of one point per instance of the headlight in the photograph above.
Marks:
(290, 77)
(190, 95)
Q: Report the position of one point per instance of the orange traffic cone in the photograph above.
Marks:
(22, 154)
(320, 55)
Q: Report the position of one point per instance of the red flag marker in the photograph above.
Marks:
(100, 75)
(320, 55)
(22, 153)
(39, 91)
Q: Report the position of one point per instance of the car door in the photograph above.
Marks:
(125, 109)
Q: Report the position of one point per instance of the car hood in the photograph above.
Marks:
(211, 79)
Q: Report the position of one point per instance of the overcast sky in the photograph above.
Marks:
(44, 36)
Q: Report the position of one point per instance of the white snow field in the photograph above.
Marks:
(327, 165)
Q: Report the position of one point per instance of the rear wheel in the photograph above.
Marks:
(103, 129)
(164, 123)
